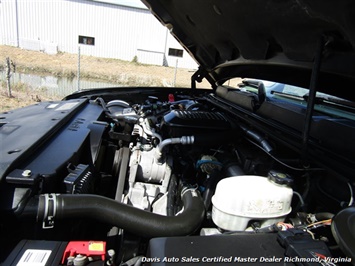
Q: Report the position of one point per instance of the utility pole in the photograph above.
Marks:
(78, 68)
(17, 26)
(175, 72)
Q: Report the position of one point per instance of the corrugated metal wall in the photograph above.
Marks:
(119, 31)
(8, 30)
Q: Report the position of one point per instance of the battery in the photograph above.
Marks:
(36, 253)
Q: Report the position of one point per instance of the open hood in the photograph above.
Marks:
(272, 40)
(259, 172)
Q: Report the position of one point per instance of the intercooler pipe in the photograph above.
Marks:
(137, 221)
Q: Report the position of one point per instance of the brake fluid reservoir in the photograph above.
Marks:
(240, 199)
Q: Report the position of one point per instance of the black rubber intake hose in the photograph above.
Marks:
(136, 221)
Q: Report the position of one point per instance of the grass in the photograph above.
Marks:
(125, 73)
(22, 95)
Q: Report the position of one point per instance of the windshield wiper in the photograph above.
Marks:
(331, 100)
(288, 95)
(319, 99)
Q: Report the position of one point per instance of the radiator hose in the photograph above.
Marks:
(136, 221)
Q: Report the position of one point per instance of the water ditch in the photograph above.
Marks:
(51, 86)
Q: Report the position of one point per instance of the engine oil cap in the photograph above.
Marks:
(280, 178)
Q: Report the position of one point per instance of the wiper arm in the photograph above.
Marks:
(288, 95)
(328, 99)
(261, 90)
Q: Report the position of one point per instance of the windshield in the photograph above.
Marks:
(324, 103)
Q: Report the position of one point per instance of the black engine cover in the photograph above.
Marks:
(181, 123)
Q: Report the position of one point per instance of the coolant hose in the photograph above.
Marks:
(184, 140)
(207, 139)
(137, 221)
(258, 138)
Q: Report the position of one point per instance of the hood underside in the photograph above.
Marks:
(272, 39)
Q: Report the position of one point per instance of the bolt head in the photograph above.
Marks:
(26, 173)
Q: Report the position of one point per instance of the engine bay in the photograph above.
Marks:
(161, 179)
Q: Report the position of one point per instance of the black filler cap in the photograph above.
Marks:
(280, 178)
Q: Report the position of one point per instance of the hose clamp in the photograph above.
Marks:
(50, 207)
(192, 189)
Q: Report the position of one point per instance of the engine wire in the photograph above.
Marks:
(285, 164)
(319, 223)
(284, 226)
(300, 198)
(315, 225)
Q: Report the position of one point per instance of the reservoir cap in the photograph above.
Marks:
(280, 178)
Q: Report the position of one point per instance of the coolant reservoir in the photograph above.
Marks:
(239, 199)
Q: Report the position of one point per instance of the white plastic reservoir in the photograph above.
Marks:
(239, 199)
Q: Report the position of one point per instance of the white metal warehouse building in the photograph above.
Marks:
(111, 30)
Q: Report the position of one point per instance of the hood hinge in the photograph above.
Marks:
(198, 76)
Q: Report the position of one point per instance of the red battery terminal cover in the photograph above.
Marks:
(171, 98)
(85, 248)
